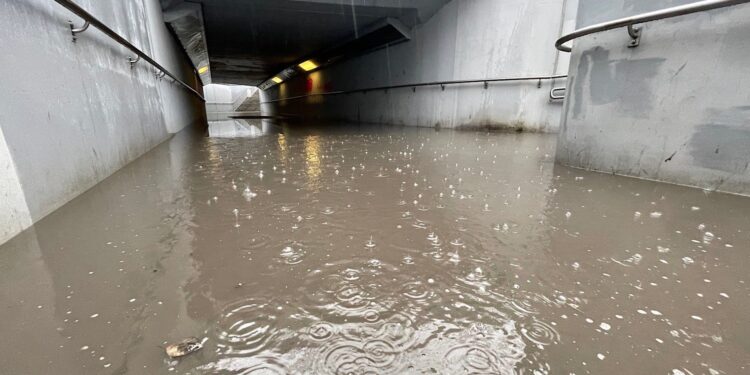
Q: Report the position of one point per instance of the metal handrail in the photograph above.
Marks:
(681, 10)
(90, 19)
(442, 84)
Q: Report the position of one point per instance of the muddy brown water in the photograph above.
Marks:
(377, 250)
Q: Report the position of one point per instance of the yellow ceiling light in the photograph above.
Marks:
(277, 79)
(308, 65)
(202, 69)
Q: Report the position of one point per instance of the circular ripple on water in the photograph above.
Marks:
(351, 274)
(397, 329)
(348, 289)
(523, 307)
(246, 328)
(436, 254)
(321, 331)
(284, 209)
(259, 242)
(540, 333)
(417, 291)
(375, 347)
(292, 255)
(475, 359)
(320, 288)
(371, 315)
(352, 297)
(353, 357)
(485, 349)
(525, 304)
(264, 369)
(257, 365)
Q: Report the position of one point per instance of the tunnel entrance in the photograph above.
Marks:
(374, 187)
(225, 102)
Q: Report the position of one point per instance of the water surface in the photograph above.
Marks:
(377, 250)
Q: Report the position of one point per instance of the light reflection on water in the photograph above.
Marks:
(381, 251)
(312, 160)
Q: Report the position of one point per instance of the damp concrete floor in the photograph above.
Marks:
(377, 250)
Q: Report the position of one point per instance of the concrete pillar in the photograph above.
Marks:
(674, 109)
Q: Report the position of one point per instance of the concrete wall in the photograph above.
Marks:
(674, 109)
(470, 39)
(73, 113)
(14, 213)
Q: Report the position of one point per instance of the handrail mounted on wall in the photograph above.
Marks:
(634, 32)
(93, 21)
(414, 86)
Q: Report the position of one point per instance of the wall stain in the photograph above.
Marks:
(723, 143)
(498, 127)
(625, 82)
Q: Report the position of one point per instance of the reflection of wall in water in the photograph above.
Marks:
(238, 128)
(127, 238)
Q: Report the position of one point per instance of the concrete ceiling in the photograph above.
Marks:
(249, 41)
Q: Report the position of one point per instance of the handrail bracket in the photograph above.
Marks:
(90, 20)
(553, 94)
(635, 36)
(75, 30)
(636, 32)
(133, 61)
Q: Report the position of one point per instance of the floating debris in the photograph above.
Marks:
(184, 347)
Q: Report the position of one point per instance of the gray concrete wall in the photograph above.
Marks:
(14, 214)
(474, 39)
(674, 109)
(73, 113)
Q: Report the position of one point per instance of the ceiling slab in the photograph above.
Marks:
(249, 41)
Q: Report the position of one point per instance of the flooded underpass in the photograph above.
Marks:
(377, 250)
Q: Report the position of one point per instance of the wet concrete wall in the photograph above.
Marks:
(14, 216)
(464, 40)
(674, 109)
(73, 113)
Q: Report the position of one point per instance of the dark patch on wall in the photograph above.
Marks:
(724, 143)
(500, 127)
(572, 82)
(734, 45)
(582, 71)
(627, 82)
